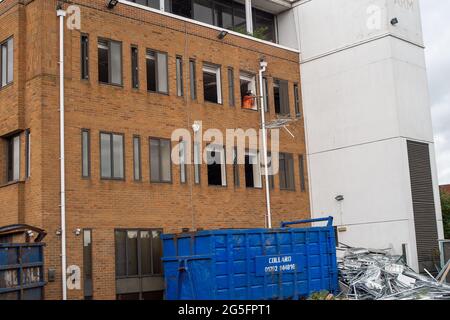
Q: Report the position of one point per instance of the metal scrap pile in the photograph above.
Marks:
(376, 275)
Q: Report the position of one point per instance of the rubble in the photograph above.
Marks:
(366, 274)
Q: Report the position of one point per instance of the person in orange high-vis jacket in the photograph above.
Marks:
(248, 101)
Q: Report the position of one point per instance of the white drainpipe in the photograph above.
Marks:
(61, 14)
(263, 65)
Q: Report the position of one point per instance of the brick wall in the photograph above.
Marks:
(103, 205)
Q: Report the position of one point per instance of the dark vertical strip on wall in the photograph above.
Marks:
(423, 204)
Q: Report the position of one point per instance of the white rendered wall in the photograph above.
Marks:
(365, 93)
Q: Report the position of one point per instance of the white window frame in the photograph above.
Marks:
(223, 166)
(211, 69)
(255, 162)
(252, 79)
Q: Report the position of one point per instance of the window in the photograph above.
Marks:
(237, 180)
(157, 72)
(248, 91)
(28, 153)
(270, 166)
(231, 98)
(302, 173)
(160, 160)
(85, 153)
(7, 62)
(84, 57)
(216, 166)
(87, 264)
(298, 112)
(179, 67)
(137, 158)
(134, 67)
(197, 162)
(193, 79)
(203, 11)
(252, 170)
(281, 96)
(212, 84)
(223, 15)
(287, 171)
(182, 8)
(266, 94)
(110, 62)
(112, 156)
(149, 3)
(264, 25)
(183, 166)
(138, 253)
(13, 158)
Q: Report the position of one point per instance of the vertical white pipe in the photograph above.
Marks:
(162, 5)
(61, 14)
(249, 16)
(264, 140)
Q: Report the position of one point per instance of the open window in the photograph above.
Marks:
(212, 87)
(281, 97)
(109, 62)
(217, 175)
(248, 91)
(252, 170)
(157, 72)
(13, 160)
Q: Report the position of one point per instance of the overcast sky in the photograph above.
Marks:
(436, 28)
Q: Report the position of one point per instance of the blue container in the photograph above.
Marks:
(252, 264)
(22, 271)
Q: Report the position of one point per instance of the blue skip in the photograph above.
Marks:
(251, 264)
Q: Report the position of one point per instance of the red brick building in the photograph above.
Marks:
(132, 77)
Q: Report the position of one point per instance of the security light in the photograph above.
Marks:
(112, 3)
(339, 198)
(394, 21)
(222, 34)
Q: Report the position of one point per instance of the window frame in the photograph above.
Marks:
(279, 83)
(223, 166)
(179, 75)
(217, 70)
(286, 188)
(85, 46)
(193, 79)
(156, 52)
(301, 159)
(250, 77)
(160, 181)
(27, 153)
(10, 161)
(183, 165)
(196, 153)
(109, 41)
(139, 160)
(86, 297)
(297, 101)
(139, 258)
(88, 132)
(231, 87)
(112, 134)
(257, 154)
(6, 43)
(134, 49)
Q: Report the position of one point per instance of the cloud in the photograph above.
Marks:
(436, 29)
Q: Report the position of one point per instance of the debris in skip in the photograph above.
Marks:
(366, 274)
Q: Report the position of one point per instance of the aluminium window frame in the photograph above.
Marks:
(257, 154)
(293, 189)
(157, 72)
(27, 154)
(179, 65)
(223, 166)
(160, 181)
(111, 134)
(88, 132)
(193, 79)
(10, 164)
(135, 83)
(5, 43)
(250, 77)
(138, 137)
(231, 87)
(85, 70)
(109, 41)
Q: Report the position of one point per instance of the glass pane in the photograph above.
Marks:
(137, 158)
(16, 158)
(223, 16)
(277, 97)
(166, 161)
(183, 161)
(154, 160)
(162, 73)
(87, 254)
(103, 62)
(153, 4)
(239, 19)
(121, 257)
(203, 11)
(283, 184)
(118, 156)
(132, 261)
(105, 157)
(116, 62)
(264, 26)
(151, 71)
(179, 77)
(10, 60)
(134, 67)
(4, 54)
(85, 157)
(193, 80)
(156, 252)
(266, 95)
(197, 159)
(231, 87)
(181, 8)
(146, 253)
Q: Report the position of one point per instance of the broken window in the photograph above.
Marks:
(281, 97)
(252, 170)
(157, 72)
(287, 181)
(212, 84)
(216, 166)
(160, 160)
(248, 91)
(110, 62)
(6, 62)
